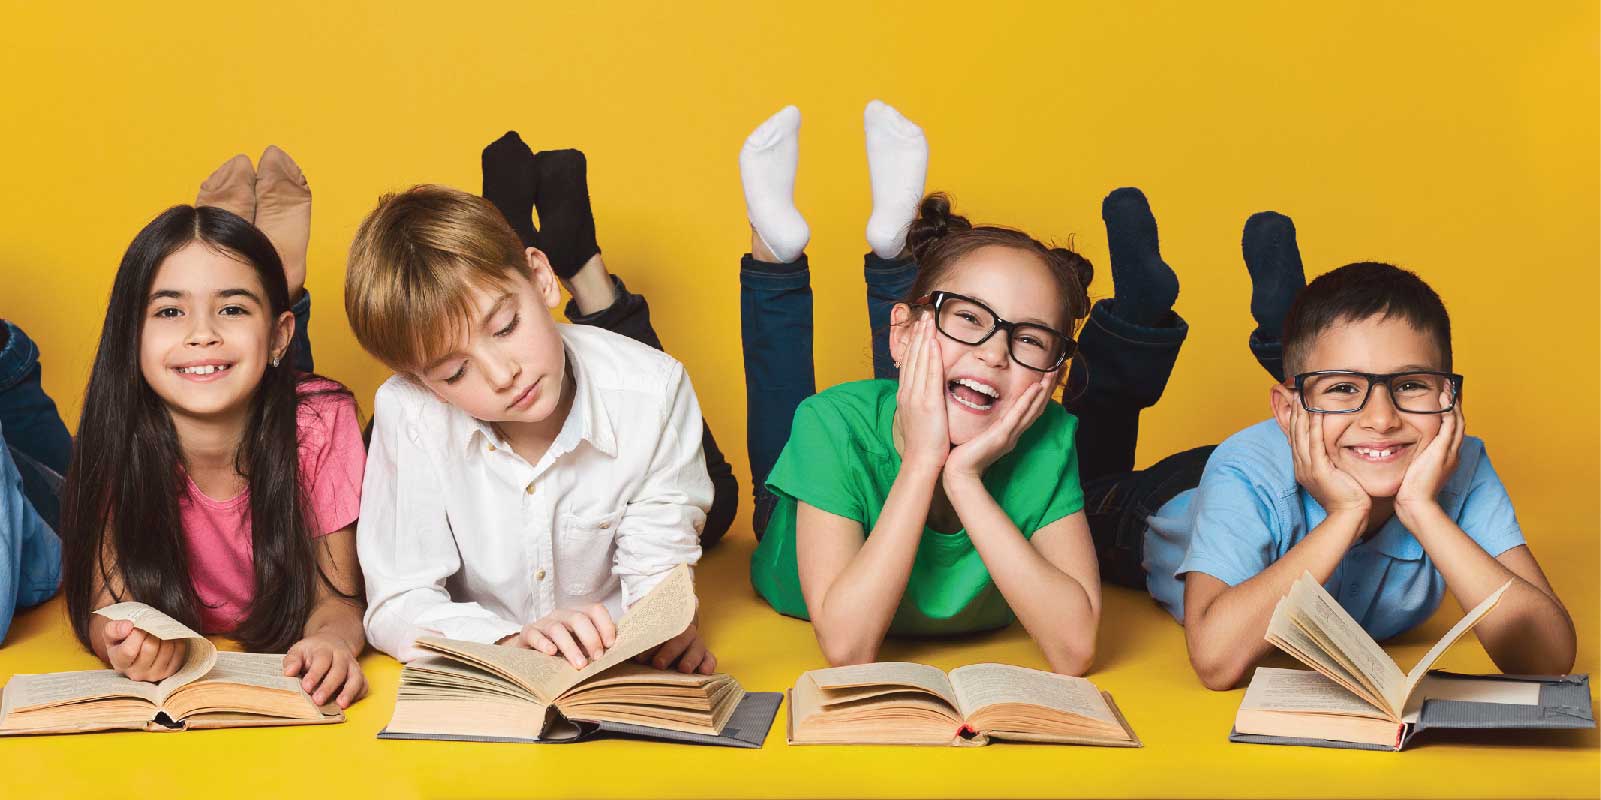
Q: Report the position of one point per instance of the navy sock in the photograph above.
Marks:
(564, 214)
(1144, 287)
(1274, 261)
(510, 183)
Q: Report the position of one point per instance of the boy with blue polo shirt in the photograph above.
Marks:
(1363, 478)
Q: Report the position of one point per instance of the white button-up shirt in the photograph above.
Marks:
(461, 537)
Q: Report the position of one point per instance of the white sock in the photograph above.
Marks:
(897, 160)
(767, 165)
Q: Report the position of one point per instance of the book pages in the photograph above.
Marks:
(981, 685)
(860, 681)
(265, 670)
(1312, 606)
(1479, 690)
(664, 612)
(29, 692)
(1284, 634)
(530, 670)
(200, 653)
(1274, 689)
(1451, 636)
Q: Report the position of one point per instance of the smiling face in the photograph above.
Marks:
(208, 333)
(982, 381)
(1377, 444)
(509, 365)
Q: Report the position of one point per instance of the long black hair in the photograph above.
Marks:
(120, 512)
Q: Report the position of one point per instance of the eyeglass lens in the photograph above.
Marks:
(1416, 392)
(1032, 345)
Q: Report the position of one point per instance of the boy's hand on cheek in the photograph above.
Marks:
(329, 670)
(578, 635)
(686, 652)
(1333, 488)
(920, 399)
(141, 657)
(1430, 468)
(971, 458)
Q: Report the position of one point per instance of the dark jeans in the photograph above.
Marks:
(32, 426)
(775, 307)
(629, 315)
(1120, 370)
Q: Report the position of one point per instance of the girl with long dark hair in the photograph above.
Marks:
(212, 479)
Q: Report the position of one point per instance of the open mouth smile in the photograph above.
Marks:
(973, 395)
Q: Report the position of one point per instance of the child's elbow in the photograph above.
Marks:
(844, 651)
(1219, 672)
(1074, 661)
(1073, 655)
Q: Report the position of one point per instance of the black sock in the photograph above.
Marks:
(510, 183)
(1143, 286)
(1274, 261)
(564, 213)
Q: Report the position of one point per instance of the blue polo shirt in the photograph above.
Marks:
(1248, 511)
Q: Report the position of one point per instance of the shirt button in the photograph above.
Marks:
(605, 525)
(530, 489)
(540, 575)
(491, 448)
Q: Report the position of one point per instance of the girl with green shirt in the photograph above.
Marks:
(944, 496)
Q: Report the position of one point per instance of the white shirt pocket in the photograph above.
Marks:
(588, 545)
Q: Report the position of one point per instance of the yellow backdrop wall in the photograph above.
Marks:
(1459, 140)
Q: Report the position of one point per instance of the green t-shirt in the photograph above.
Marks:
(841, 458)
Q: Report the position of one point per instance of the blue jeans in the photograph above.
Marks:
(39, 444)
(30, 552)
(775, 309)
(1122, 369)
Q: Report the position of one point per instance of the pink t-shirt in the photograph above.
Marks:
(217, 532)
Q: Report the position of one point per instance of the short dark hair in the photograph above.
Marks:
(1362, 291)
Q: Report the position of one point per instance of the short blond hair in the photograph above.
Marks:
(413, 263)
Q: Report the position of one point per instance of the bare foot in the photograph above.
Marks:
(760, 251)
(231, 187)
(283, 212)
(591, 286)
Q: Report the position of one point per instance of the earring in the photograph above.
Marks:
(275, 360)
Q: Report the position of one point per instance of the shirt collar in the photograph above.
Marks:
(586, 421)
(1395, 541)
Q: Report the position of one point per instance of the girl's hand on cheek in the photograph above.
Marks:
(920, 401)
(140, 656)
(976, 455)
(330, 670)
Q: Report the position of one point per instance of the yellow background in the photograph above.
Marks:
(1459, 140)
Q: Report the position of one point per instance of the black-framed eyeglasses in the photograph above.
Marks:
(1338, 391)
(969, 321)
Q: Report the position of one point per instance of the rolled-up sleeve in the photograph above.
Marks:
(660, 528)
(406, 545)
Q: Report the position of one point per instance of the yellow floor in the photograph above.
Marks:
(1141, 662)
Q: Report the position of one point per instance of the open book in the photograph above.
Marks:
(1360, 697)
(486, 692)
(210, 690)
(903, 703)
